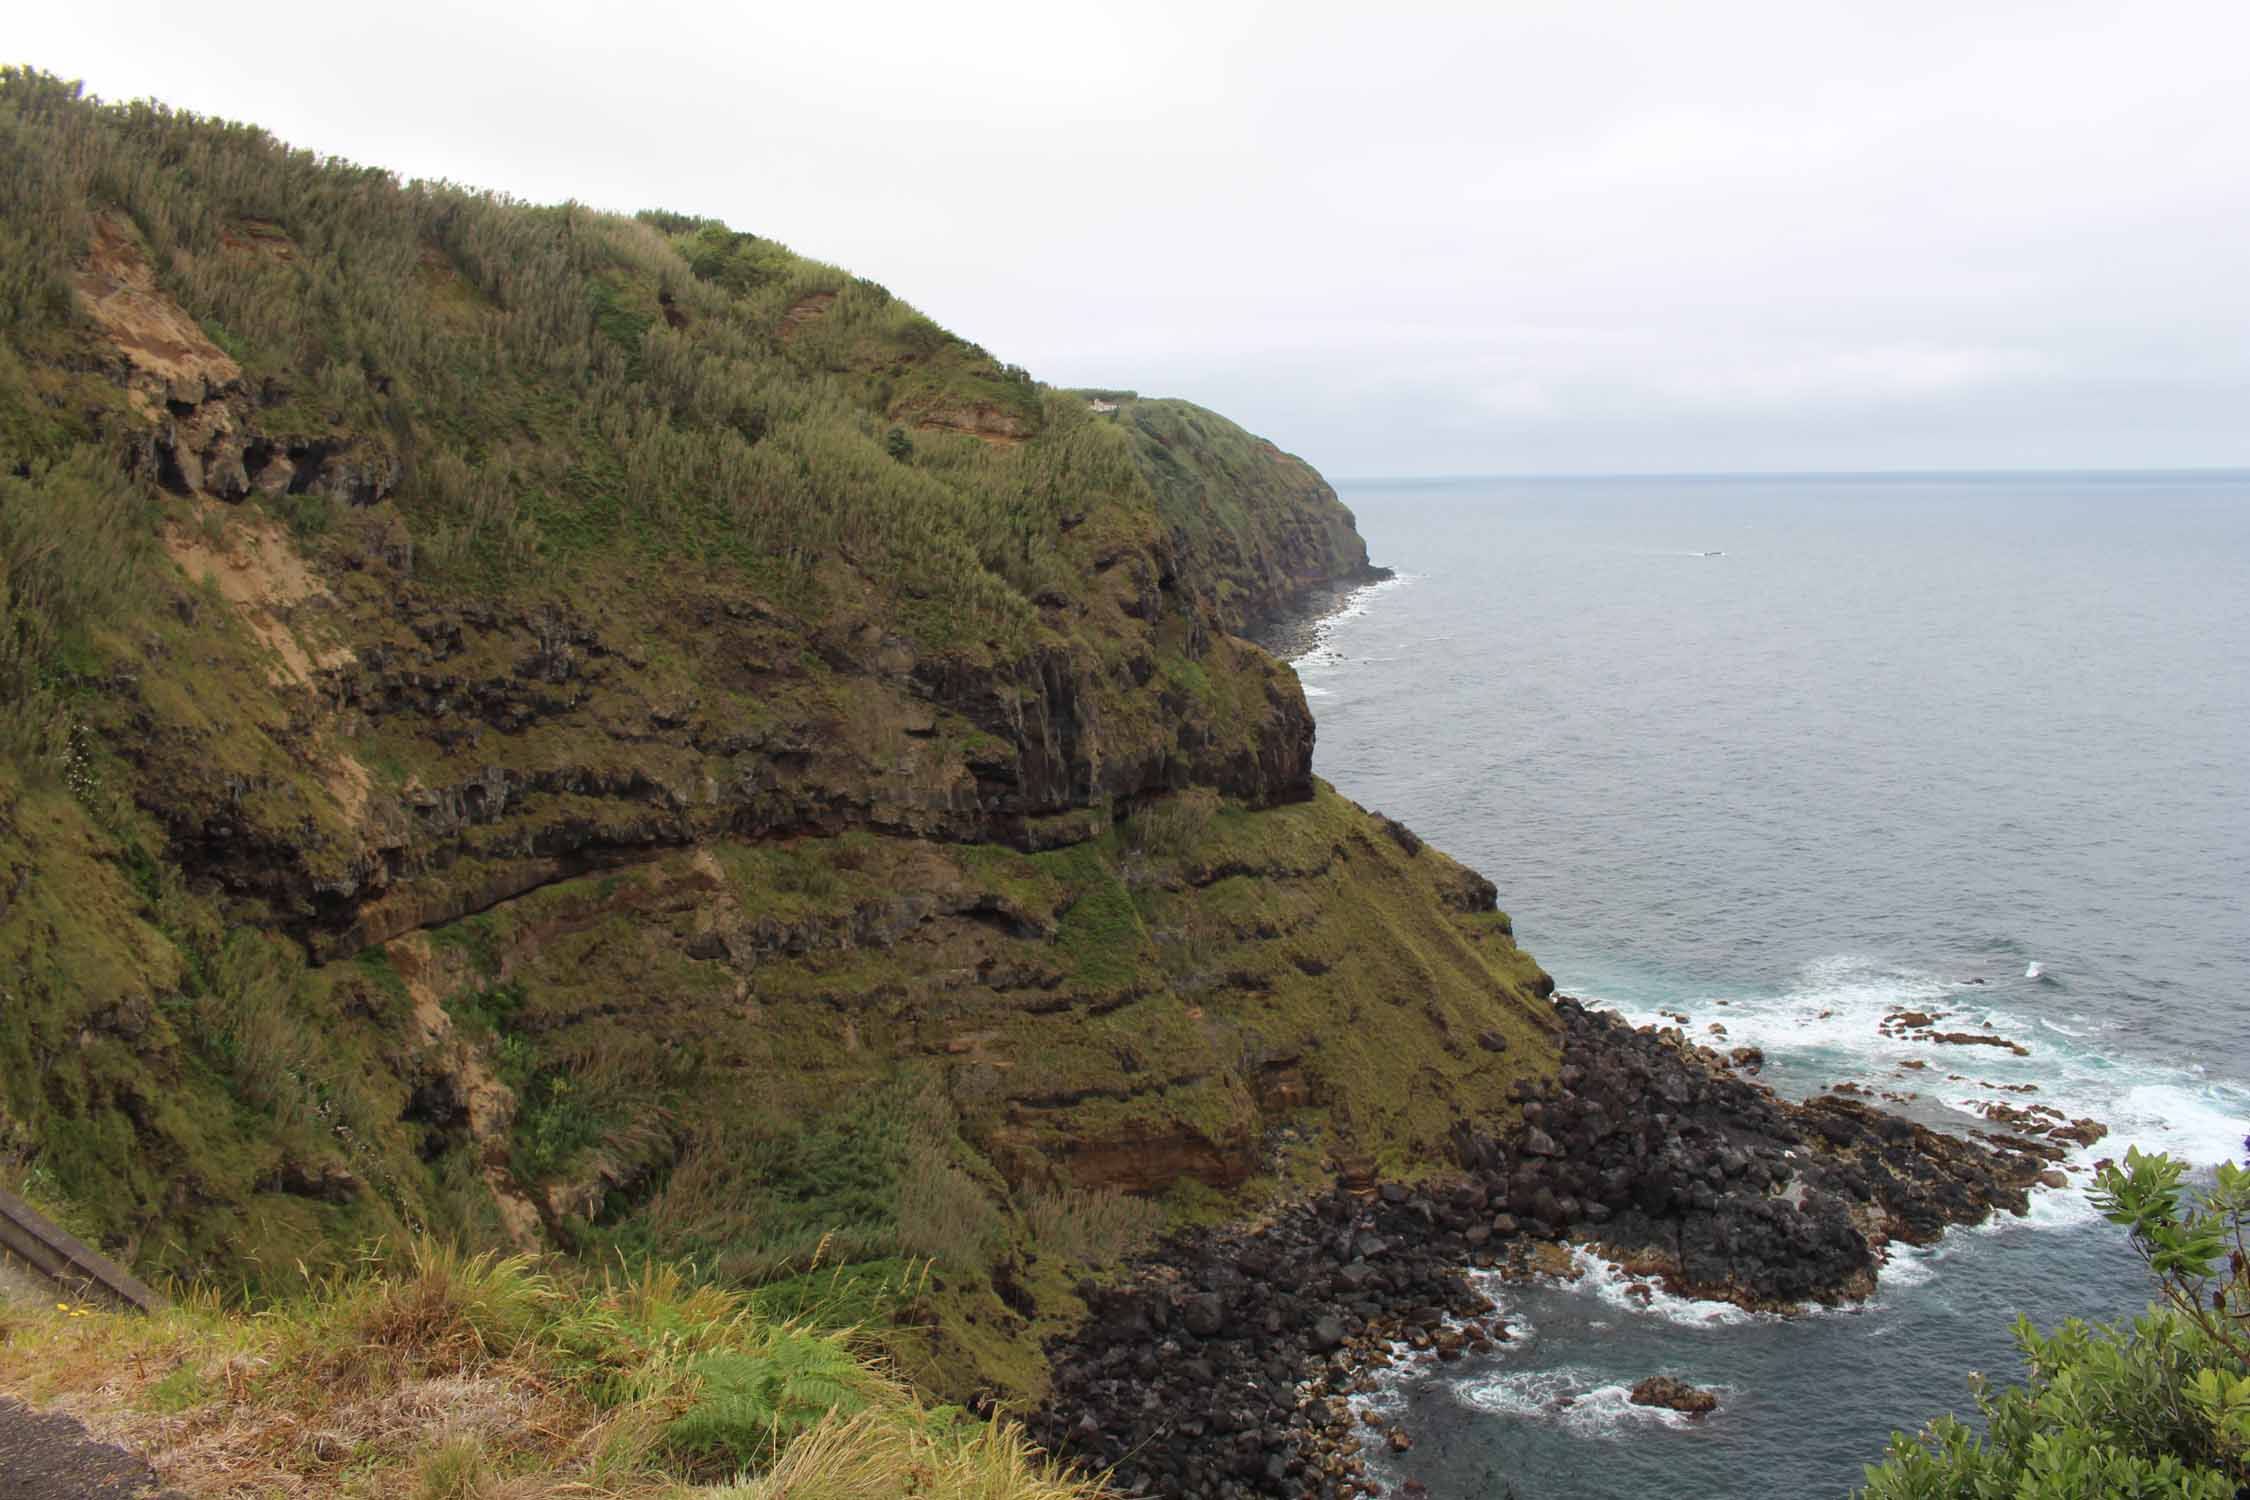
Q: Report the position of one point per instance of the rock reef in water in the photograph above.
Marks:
(1190, 1378)
(1674, 1394)
(1723, 1189)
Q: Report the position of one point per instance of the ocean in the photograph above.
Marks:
(1786, 754)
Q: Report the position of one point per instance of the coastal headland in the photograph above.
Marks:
(538, 738)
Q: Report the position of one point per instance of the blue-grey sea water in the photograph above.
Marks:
(1819, 748)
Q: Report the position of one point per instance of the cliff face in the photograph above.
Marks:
(1265, 527)
(600, 732)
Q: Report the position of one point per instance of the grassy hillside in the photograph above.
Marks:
(582, 734)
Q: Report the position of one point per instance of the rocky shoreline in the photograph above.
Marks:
(1294, 629)
(1223, 1366)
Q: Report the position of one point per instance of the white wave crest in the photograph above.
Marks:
(1615, 1288)
(1573, 1398)
(2058, 1208)
(1828, 1026)
(1836, 1005)
(1905, 1267)
(1387, 1395)
(2198, 1122)
(1320, 653)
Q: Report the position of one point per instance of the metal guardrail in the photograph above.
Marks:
(29, 1238)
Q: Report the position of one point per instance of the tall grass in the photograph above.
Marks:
(427, 1371)
(859, 1457)
(75, 539)
(944, 1212)
(1092, 1226)
(514, 359)
(765, 1200)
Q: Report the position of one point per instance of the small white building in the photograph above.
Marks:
(1097, 404)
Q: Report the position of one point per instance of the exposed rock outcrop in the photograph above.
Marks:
(1726, 1190)
(1675, 1394)
(203, 435)
(1646, 1147)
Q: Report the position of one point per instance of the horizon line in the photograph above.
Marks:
(2207, 471)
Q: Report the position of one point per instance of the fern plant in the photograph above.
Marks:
(748, 1406)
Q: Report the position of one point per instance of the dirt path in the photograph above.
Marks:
(52, 1458)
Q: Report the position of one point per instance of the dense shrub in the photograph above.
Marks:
(2159, 1408)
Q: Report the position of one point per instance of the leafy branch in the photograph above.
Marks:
(2160, 1408)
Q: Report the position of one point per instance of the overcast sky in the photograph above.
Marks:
(1505, 238)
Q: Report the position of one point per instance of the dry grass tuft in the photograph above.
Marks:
(452, 1312)
(1094, 1227)
(942, 1212)
(862, 1457)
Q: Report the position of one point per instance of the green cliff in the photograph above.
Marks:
(574, 732)
(1262, 524)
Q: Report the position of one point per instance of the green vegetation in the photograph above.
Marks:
(1097, 1228)
(555, 384)
(602, 738)
(1272, 524)
(76, 540)
(2159, 1408)
(749, 1406)
(434, 1373)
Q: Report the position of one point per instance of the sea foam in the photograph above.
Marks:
(1599, 1278)
(1570, 1396)
(1827, 1027)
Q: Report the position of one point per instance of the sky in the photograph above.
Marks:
(1586, 237)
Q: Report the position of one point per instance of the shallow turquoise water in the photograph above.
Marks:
(1820, 748)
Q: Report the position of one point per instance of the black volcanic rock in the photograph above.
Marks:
(1646, 1145)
